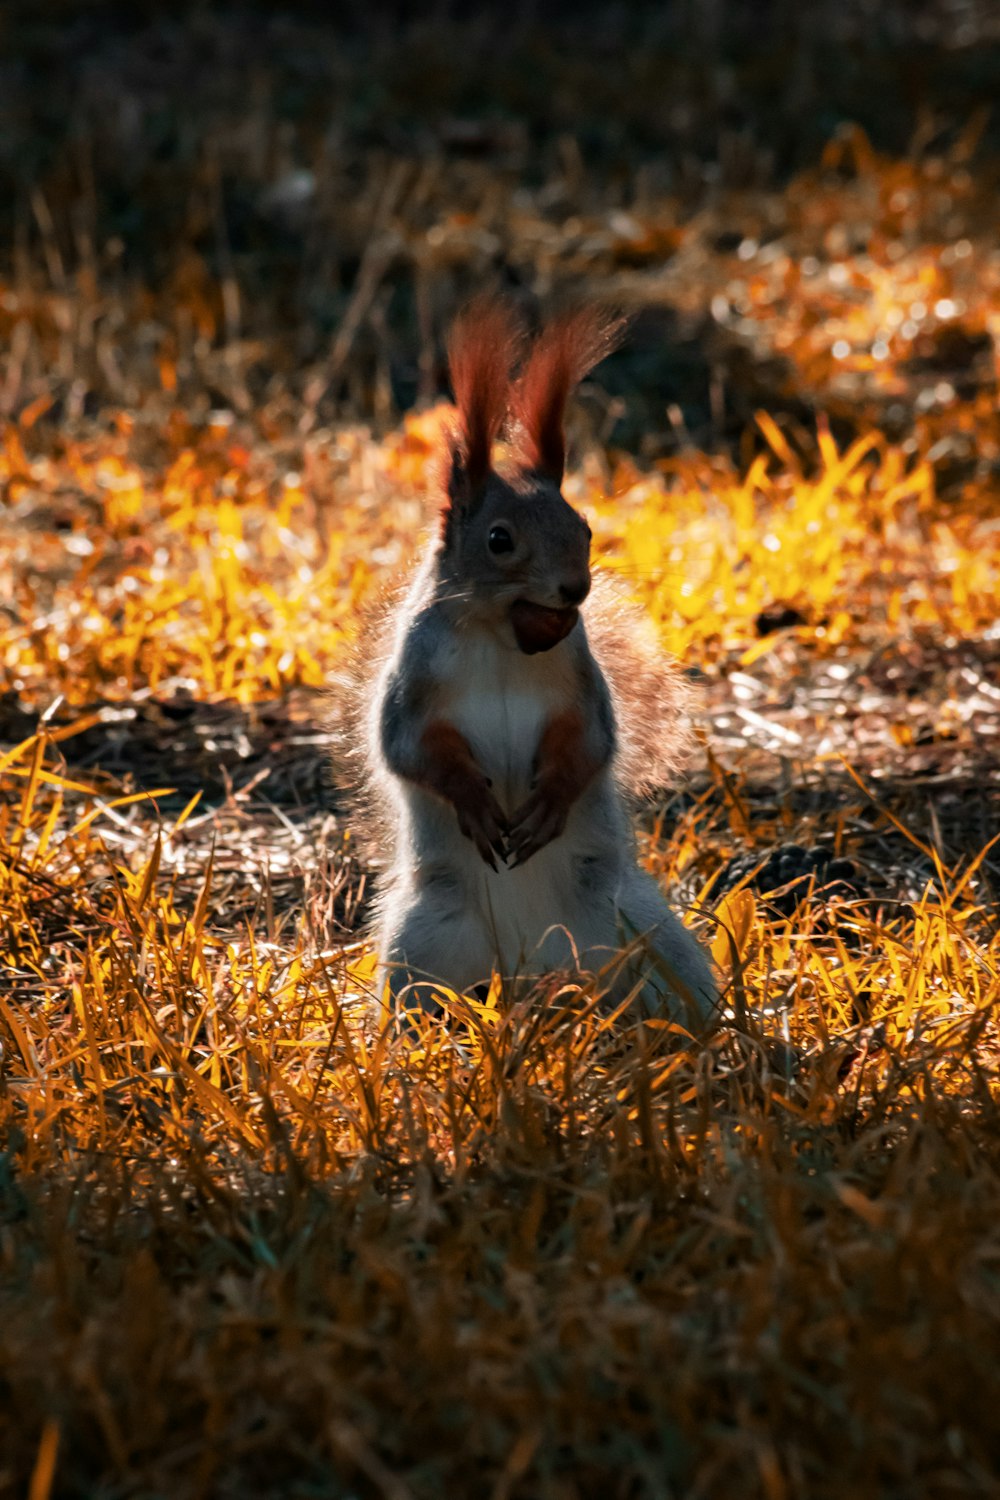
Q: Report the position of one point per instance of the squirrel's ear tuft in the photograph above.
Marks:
(482, 350)
(563, 353)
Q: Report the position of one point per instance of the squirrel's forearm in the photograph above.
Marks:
(443, 762)
(570, 753)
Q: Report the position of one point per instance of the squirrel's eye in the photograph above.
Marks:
(500, 539)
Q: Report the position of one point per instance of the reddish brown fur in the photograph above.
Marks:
(450, 766)
(650, 697)
(648, 693)
(561, 356)
(481, 353)
(563, 770)
(563, 767)
(451, 771)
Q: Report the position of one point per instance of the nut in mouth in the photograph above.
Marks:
(539, 628)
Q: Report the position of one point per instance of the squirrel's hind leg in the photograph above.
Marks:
(421, 943)
(679, 979)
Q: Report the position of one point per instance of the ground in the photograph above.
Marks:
(250, 1243)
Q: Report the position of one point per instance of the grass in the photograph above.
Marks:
(251, 1243)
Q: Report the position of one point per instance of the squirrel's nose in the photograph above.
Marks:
(576, 591)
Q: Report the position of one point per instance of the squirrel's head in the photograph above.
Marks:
(512, 546)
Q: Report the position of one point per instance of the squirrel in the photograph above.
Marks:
(492, 738)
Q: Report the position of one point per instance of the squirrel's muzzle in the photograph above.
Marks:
(538, 628)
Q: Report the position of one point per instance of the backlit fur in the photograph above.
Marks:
(452, 674)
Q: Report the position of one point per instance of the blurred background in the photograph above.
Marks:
(264, 206)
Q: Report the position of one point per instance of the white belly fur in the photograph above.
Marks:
(446, 915)
(462, 918)
(532, 913)
(500, 700)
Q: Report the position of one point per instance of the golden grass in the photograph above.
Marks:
(251, 1244)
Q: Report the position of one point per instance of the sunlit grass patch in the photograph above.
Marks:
(256, 1238)
(236, 585)
(239, 1206)
(124, 1008)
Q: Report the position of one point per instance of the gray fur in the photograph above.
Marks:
(444, 915)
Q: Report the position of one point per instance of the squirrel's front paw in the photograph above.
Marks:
(537, 822)
(481, 819)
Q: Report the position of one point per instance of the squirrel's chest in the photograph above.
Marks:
(501, 700)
